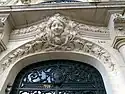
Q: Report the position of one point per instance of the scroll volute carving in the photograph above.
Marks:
(119, 28)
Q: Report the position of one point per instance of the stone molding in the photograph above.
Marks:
(119, 24)
(119, 27)
(57, 37)
(3, 18)
(3, 31)
(118, 42)
(82, 29)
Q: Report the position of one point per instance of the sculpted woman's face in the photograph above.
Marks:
(57, 27)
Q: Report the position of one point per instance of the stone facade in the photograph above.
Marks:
(88, 32)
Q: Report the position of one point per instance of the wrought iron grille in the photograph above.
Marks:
(59, 77)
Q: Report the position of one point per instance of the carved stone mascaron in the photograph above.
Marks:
(57, 35)
(81, 29)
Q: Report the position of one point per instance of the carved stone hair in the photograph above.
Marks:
(56, 17)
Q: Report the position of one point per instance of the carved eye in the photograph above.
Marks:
(57, 24)
(54, 25)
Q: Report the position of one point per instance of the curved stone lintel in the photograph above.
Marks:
(87, 47)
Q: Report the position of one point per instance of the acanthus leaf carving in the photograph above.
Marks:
(56, 36)
(120, 30)
(119, 18)
(119, 21)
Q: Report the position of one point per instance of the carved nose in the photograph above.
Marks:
(56, 28)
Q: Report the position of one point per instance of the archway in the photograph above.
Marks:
(59, 77)
(16, 67)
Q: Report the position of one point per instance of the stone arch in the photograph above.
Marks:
(76, 46)
(104, 62)
(16, 67)
(60, 65)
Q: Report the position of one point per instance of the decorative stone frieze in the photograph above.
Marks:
(81, 29)
(58, 36)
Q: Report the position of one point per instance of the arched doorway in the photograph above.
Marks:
(59, 77)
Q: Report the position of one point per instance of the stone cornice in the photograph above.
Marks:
(62, 5)
(88, 13)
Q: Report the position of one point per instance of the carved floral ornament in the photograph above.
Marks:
(58, 36)
(119, 18)
(119, 26)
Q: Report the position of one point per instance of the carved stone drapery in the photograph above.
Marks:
(58, 36)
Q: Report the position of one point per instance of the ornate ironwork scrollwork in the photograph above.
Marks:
(59, 77)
